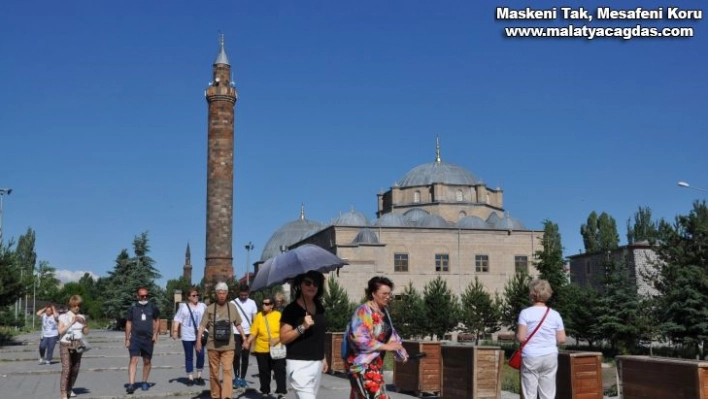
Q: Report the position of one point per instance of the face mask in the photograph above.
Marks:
(143, 302)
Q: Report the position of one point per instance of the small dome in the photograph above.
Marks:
(493, 218)
(351, 218)
(509, 223)
(289, 234)
(366, 236)
(472, 222)
(432, 221)
(392, 220)
(415, 214)
(437, 172)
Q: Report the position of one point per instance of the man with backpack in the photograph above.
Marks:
(247, 309)
(141, 330)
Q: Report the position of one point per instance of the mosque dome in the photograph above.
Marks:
(366, 236)
(351, 218)
(437, 172)
(415, 214)
(392, 220)
(472, 222)
(432, 221)
(289, 234)
(493, 218)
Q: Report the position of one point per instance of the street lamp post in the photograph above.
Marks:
(249, 248)
(3, 191)
(686, 185)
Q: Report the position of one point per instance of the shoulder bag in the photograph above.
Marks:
(515, 359)
(244, 313)
(73, 342)
(279, 351)
(222, 328)
(205, 333)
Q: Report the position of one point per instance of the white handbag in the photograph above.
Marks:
(278, 351)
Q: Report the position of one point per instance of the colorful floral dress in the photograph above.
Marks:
(368, 331)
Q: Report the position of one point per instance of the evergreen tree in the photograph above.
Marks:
(441, 307)
(516, 298)
(337, 306)
(479, 313)
(409, 313)
(581, 311)
(682, 277)
(619, 307)
(643, 228)
(550, 263)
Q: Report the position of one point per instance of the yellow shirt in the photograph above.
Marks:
(258, 329)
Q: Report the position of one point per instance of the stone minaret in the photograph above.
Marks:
(221, 96)
(187, 268)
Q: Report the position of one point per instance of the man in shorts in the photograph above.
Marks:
(141, 330)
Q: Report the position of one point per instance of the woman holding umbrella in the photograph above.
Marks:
(302, 330)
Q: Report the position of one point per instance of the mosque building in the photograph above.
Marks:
(437, 220)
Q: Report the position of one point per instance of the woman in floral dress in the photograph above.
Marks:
(371, 335)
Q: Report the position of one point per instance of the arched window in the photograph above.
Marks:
(416, 196)
(461, 215)
(459, 197)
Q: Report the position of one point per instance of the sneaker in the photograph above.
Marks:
(47, 362)
(72, 394)
(190, 382)
(265, 395)
(130, 389)
(237, 383)
(41, 361)
(244, 384)
(145, 386)
(281, 396)
(200, 381)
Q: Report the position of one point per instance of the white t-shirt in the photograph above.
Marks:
(185, 320)
(50, 328)
(544, 341)
(249, 312)
(67, 319)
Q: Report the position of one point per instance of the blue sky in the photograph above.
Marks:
(103, 119)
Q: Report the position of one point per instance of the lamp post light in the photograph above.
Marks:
(3, 191)
(249, 247)
(686, 185)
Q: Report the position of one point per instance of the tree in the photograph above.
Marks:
(129, 274)
(516, 298)
(681, 277)
(337, 306)
(11, 287)
(580, 312)
(550, 262)
(409, 313)
(599, 233)
(479, 313)
(441, 307)
(589, 232)
(619, 307)
(643, 228)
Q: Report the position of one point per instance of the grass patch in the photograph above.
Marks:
(510, 380)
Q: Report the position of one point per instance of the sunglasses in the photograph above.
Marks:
(143, 296)
(194, 295)
(310, 283)
(267, 303)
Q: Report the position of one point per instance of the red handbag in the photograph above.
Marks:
(515, 359)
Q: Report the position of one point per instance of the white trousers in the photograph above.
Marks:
(305, 377)
(538, 376)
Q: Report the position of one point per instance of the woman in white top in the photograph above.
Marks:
(188, 318)
(50, 333)
(539, 358)
(72, 326)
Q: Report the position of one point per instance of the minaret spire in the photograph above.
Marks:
(437, 149)
(302, 211)
(221, 58)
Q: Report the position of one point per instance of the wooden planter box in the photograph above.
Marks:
(423, 375)
(162, 326)
(333, 344)
(472, 372)
(662, 378)
(579, 375)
